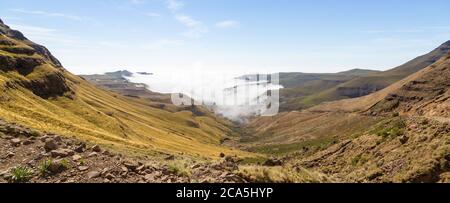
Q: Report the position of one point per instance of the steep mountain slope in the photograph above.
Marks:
(399, 134)
(297, 86)
(367, 84)
(39, 93)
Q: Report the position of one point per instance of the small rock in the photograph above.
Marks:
(61, 153)
(83, 168)
(230, 159)
(50, 145)
(140, 168)
(170, 157)
(105, 170)
(27, 142)
(56, 167)
(93, 174)
(110, 176)
(148, 171)
(76, 157)
(96, 148)
(149, 177)
(80, 148)
(15, 142)
(222, 155)
(10, 155)
(404, 139)
(106, 152)
(131, 165)
(92, 154)
(273, 162)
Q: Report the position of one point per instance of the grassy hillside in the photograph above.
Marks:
(364, 84)
(298, 86)
(398, 134)
(39, 93)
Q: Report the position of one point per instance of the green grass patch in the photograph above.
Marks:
(390, 128)
(20, 174)
(283, 149)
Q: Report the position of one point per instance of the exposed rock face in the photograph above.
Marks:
(353, 92)
(41, 50)
(26, 57)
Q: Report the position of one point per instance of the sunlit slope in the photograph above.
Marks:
(435, 76)
(37, 92)
(423, 94)
(370, 83)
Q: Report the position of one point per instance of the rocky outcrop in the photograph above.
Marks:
(25, 57)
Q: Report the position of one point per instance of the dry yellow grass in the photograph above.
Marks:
(99, 116)
(285, 174)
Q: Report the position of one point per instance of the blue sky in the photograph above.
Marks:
(259, 35)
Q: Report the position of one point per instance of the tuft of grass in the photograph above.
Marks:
(20, 174)
(44, 167)
(66, 163)
(82, 161)
(358, 160)
(179, 168)
(263, 174)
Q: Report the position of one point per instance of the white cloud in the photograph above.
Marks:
(153, 15)
(34, 30)
(48, 36)
(159, 44)
(174, 5)
(196, 28)
(49, 14)
(228, 24)
(137, 1)
(188, 21)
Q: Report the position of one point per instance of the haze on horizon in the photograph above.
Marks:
(251, 35)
